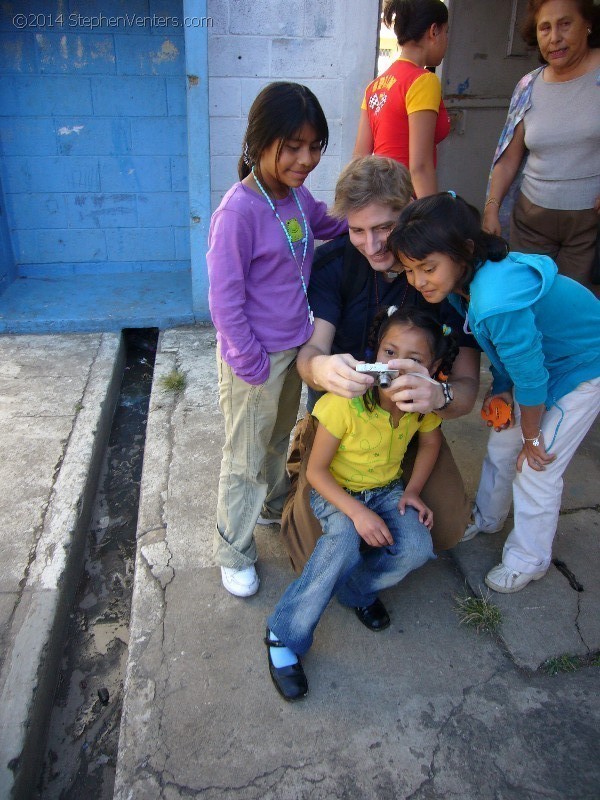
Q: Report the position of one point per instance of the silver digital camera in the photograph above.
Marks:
(382, 374)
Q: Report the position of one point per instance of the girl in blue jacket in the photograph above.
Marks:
(541, 332)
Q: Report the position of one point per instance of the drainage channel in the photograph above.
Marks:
(81, 750)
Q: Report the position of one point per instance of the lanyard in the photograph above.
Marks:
(311, 317)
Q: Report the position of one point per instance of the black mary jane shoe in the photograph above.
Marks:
(290, 681)
(374, 617)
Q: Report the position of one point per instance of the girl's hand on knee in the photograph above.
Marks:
(372, 528)
(414, 501)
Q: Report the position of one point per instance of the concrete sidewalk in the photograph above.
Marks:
(425, 710)
(57, 397)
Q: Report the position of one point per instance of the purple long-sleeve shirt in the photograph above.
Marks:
(256, 298)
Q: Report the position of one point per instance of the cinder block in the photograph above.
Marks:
(182, 243)
(150, 55)
(33, 211)
(108, 15)
(225, 97)
(179, 174)
(129, 97)
(137, 244)
(325, 174)
(330, 94)
(226, 135)
(312, 58)
(77, 54)
(45, 95)
(156, 136)
(321, 20)
(164, 208)
(249, 18)
(31, 136)
(17, 52)
(215, 199)
(60, 174)
(83, 136)
(218, 11)
(250, 89)
(239, 56)
(223, 172)
(335, 137)
(48, 247)
(126, 173)
(176, 96)
(101, 210)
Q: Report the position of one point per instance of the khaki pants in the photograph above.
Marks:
(258, 423)
(568, 237)
(444, 493)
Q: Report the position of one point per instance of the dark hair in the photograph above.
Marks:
(410, 19)
(445, 223)
(277, 113)
(587, 8)
(443, 342)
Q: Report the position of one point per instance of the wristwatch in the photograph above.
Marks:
(448, 395)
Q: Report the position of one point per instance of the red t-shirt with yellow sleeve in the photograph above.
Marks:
(401, 90)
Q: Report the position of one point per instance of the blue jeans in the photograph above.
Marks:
(338, 567)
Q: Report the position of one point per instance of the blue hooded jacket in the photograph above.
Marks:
(540, 330)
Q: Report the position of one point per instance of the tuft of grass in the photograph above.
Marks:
(479, 613)
(174, 381)
(564, 663)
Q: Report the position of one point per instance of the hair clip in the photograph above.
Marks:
(392, 310)
(446, 330)
(451, 193)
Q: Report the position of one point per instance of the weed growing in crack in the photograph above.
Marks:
(564, 663)
(173, 382)
(479, 613)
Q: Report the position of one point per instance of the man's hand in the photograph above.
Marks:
(337, 374)
(411, 393)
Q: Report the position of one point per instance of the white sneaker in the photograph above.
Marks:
(267, 521)
(240, 582)
(472, 530)
(505, 580)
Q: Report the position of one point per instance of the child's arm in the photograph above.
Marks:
(427, 453)
(369, 525)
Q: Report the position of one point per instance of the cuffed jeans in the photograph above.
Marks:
(258, 423)
(337, 566)
(536, 495)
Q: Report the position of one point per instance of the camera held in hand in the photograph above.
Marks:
(381, 372)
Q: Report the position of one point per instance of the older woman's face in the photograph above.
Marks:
(562, 34)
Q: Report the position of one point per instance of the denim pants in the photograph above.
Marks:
(338, 567)
(258, 422)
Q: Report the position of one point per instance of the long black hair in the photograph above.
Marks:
(443, 342)
(410, 19)
(445, 223)
(277, 113)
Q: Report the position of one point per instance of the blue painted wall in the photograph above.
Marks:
(93, 132)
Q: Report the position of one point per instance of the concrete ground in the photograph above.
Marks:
(427, 709)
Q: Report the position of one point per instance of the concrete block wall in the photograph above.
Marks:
(93, 135)
(329, 46)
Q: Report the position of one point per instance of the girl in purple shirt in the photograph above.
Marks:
(261, 244)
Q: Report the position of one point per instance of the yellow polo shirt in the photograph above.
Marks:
(371, 450)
